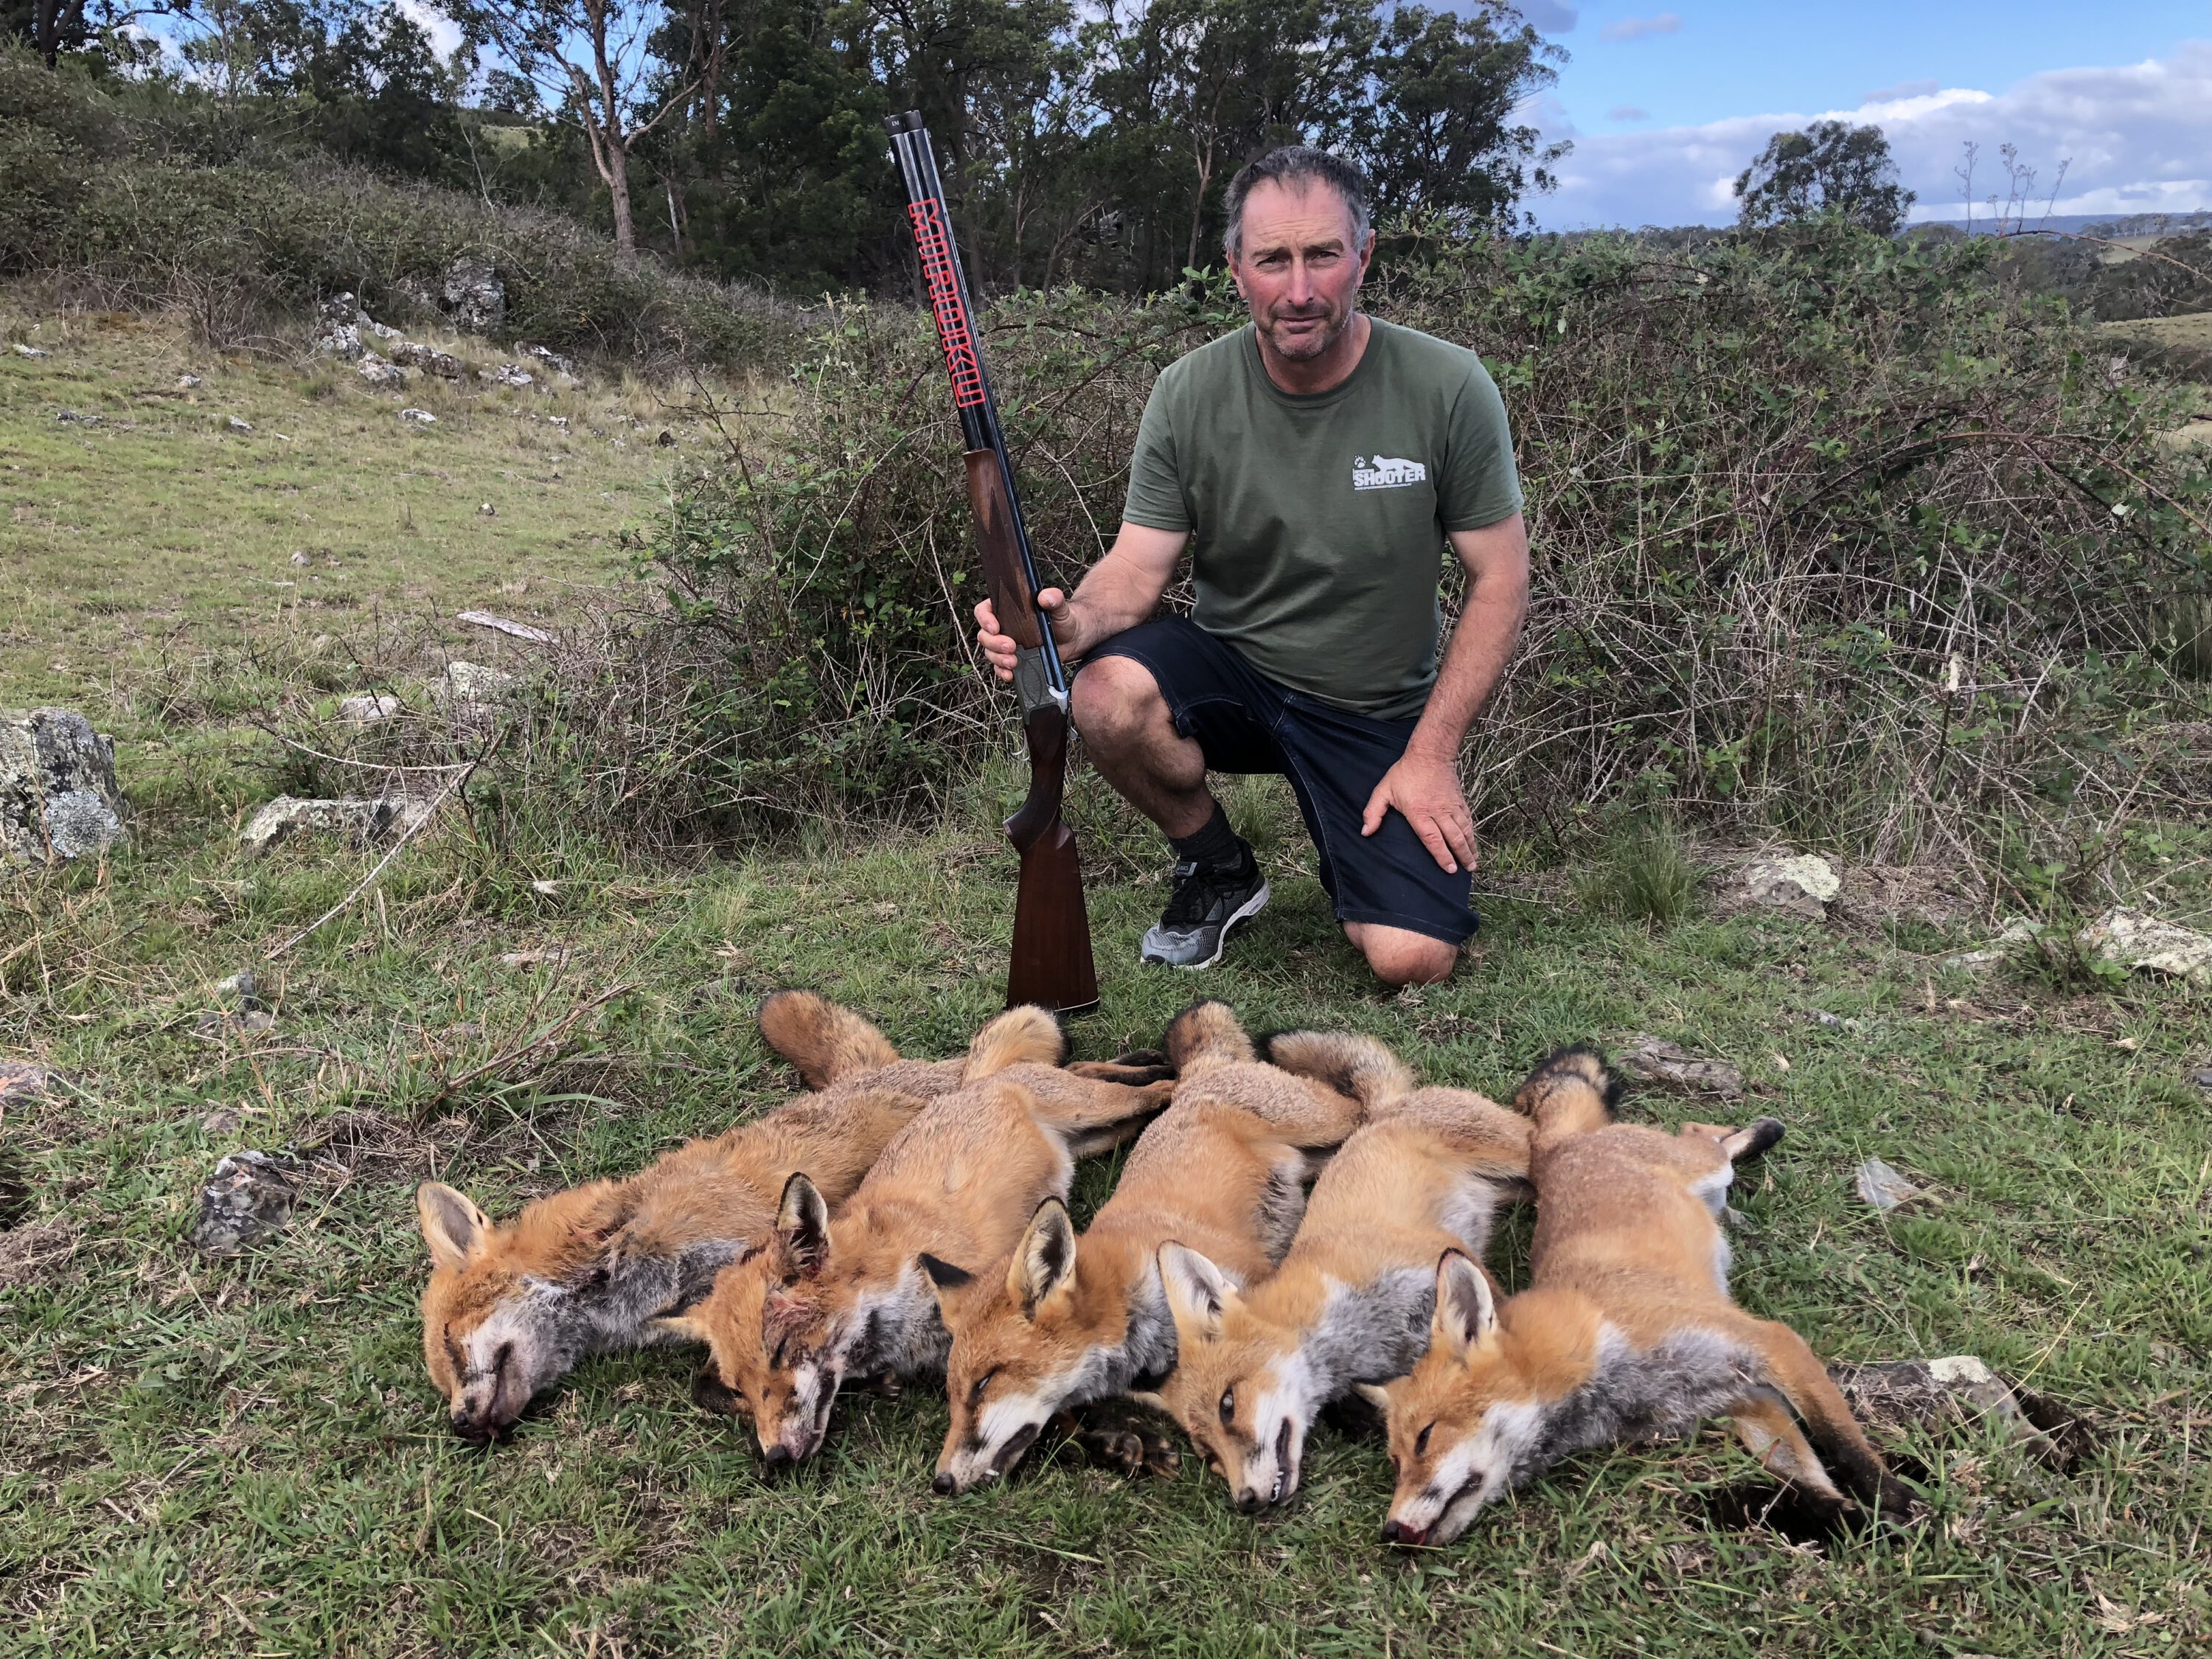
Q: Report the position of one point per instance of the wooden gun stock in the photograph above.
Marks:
(1052, 964)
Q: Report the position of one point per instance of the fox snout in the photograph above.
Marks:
(970, 1468)
(1271, 1476)
(1396, 1532)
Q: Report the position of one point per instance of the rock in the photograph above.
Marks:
(21, 1081)
(552, 360)
(362, 822)
(237, 425)
(1655, 1060)
(666, 440)
(418, 417)
(501, 625)
(552, 890)
(216, 1023)
(188, 382)
(339, 308)
(430, 359)
(74, 417)
(2145, 944)
(368, 708)
(22, 350)
(382, 330)
(1883, 1187)
(2203, 1079)
(475, 297)
(487, 511)
(510, 375)
(335, 339)
(377, 372)
(1904, 1394)
(58, 797)
(242, 989)
(249, 1200)
(516, 961)
(2018, 930)
(468, 692)
(560, 421)
(1803, 883)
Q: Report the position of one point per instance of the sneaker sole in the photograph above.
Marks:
(1251, 908)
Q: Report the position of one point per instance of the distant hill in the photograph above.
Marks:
(2101, 224)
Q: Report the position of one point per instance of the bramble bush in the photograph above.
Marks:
(1835, 537)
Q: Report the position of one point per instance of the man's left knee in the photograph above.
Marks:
(1401, 957)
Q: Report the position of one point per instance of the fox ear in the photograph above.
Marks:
(802, 1223)
(1197, 1291)
(1044, 1261)
(453, 1228)
(1465, 1314)
(947, 1281)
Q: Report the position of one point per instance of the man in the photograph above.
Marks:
(1315, 464)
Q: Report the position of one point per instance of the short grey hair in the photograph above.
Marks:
(1294, 166)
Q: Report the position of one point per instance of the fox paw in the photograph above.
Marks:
(1115, 1440)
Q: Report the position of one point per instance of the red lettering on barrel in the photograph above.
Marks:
(960, 360)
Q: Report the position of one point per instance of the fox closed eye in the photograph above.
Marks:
(976, 1394)
(1421, 1441)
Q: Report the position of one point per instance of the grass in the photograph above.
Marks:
(161, 529)
(247, 1457)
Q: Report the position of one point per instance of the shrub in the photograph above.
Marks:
(138, 196)
(1833, 535)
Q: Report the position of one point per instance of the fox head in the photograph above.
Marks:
(508, 1310)
(1466, 1424)
(1239, 1387)
(774, 1326)
(1024, 1346)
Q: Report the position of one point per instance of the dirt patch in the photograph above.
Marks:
(1936, 896)
(37, 1253)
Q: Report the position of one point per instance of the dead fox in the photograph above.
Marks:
(1350, 1305)
(822, 1300)
(1627, 1332)
(1066, 1321)
(511, 1308)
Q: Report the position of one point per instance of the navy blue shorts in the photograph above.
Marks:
(1334, 759)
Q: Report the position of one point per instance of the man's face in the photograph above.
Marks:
(1299, 269)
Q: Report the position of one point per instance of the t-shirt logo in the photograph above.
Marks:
(1385, 472)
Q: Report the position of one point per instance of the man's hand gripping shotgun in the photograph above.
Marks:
(1052, 964)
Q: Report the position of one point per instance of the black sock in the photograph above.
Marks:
(1214, 847)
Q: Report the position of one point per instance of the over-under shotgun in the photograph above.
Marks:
(1051, 963)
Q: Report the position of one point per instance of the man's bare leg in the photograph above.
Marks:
(1132, 739)
(1400, 956)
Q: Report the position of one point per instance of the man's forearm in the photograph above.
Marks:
(1474, 661)
(1497, 564)
(1121, 590)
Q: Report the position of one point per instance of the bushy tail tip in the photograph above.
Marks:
(1576, 1081)
(826, 1043)
(1355, 1065)
(1205, 1034)
(1023, 1035)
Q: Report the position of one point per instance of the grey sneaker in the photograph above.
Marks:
(1207, 904)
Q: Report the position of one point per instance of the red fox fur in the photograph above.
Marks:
(824, 1299)
(1627, 1332)
(1350, 1305)
(1065, 1321)
(510, 1308)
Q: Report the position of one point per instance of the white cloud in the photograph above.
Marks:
(2139, 137)
(445, 34)
(1549, 17)
(1902, 89)
(1627, 112)
(1635, 28)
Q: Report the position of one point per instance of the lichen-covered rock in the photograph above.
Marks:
(2131, 940)
(418, 417)
(475, 297)
(21, 1081)
(58, 797)
(368, 709)
(250, 1198)
(429, 360)
(508, 374)
(335, 339)
(377, 372)
(1803, 883)
(1655, 1059)
(1906, 1393)
(469, 694)
(359, 823)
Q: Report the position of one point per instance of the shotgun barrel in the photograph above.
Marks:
(1051, 965)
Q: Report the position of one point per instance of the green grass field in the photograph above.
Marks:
(247, 1457)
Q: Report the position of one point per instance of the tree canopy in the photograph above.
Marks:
(1830, 167)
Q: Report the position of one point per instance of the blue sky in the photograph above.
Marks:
(1665, 97)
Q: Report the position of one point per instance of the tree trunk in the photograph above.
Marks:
(617, 176)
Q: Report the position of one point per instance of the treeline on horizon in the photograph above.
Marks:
(1083, 144)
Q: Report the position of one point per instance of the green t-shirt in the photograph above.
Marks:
(1317, 520)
